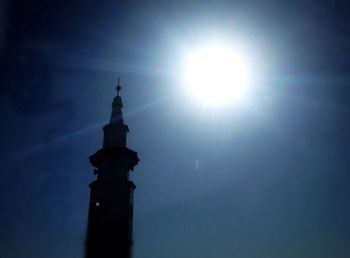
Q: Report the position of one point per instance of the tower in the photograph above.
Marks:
(109, 232)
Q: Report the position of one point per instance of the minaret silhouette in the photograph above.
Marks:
(110, 220)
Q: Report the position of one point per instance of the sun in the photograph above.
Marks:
(216, 75)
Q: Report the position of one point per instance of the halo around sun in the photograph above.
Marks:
(216, 75)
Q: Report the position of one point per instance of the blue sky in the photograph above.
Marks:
(269, 179)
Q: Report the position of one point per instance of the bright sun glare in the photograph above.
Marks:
(216, 75)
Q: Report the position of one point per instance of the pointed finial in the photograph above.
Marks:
(118, 87)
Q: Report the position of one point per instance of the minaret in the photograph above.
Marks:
(109, 232)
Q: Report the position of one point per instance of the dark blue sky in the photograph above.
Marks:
(267, 180)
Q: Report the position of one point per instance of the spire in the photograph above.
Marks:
(117, 105)
(115, 131)
(118, 88)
